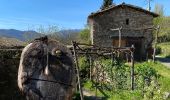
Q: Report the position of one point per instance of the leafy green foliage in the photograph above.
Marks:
(163, 22)
(145, 71)
(165, 49)
(114, 95)
(157, 80)
(151, 81)
(145, 74)
(84, 67)
(163, 71)
(117, 72)
(85, 36)
(164, 31)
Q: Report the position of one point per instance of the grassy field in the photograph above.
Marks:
(163, 80)
(165, 49)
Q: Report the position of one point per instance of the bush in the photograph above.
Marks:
(158, 50)
(144, 74)
(165, 49)
(147, 80)
(116, 74)
(84, 67)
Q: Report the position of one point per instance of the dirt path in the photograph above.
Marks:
(90, 95)
(164, 61)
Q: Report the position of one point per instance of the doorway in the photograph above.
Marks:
(138, 47)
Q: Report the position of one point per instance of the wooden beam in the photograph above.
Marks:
(77, 68)
(120, 39)
(143, 28)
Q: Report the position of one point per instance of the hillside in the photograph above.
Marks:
(10, 42)
(30, 35)
(20, 35)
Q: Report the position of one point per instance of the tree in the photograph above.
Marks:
(163, 22)
(84, 35)
(159, 9)
(106, 3)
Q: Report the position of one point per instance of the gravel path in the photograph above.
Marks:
(164, 61)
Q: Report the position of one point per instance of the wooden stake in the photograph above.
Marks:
(90, 64)
(132, 67)
(77, 67)
(156, 39)
(120, 39)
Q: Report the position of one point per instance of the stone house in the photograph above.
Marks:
(134, 22)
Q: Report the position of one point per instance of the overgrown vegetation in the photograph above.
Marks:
(164, 49)
(163, 22)
(84, 36)
(151, 81)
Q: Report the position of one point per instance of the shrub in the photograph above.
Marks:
(147, 80)
(165, 49)
(158, 50)
(84, 67)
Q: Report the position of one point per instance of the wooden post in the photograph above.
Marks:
(112, 59)
(119, 30)
(132, 67)
(120, 39)
(90, 64)
(156, 39)
(77, 67)
(96, 79)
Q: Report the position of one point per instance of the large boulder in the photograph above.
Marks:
(46, 71)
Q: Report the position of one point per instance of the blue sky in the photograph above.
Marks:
(66, 14)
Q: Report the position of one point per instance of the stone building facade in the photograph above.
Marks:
(133, 20)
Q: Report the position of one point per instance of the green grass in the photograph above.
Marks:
(165, 49)
(164, 81)
(164, 73)
(115, 94)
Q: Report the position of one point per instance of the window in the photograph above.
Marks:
(127, 21)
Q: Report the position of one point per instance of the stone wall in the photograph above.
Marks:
(9, 62)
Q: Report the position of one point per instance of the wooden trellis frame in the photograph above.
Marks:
(80, 49)
(156, 28)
